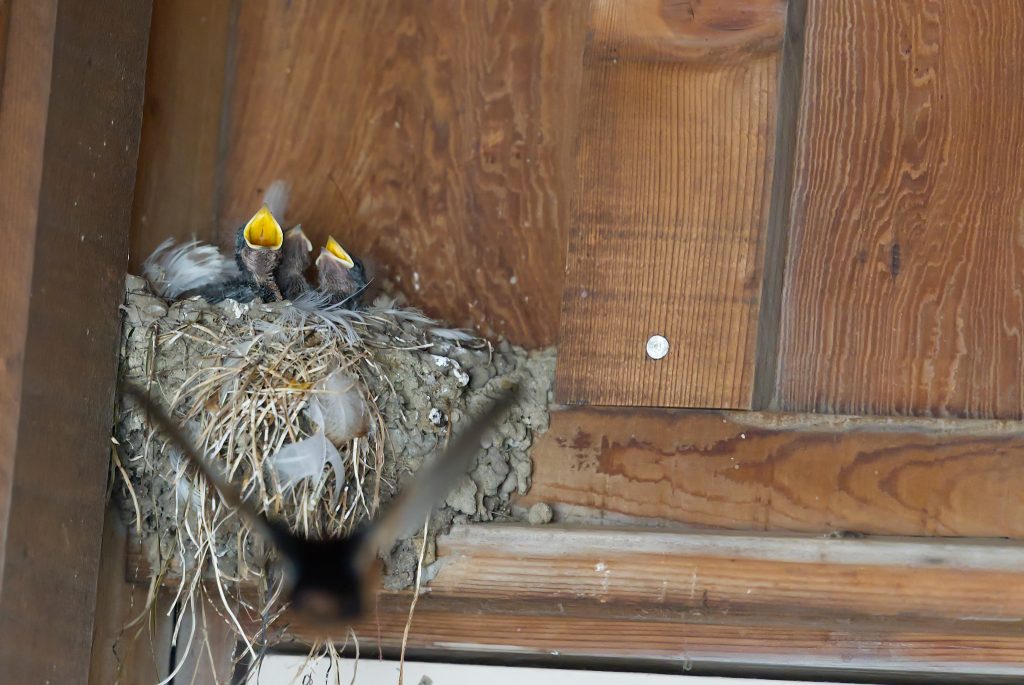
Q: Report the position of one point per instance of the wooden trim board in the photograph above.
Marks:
(716, 600)
(783, 472)
(746, 603)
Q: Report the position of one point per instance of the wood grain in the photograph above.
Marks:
(601, 638)
(677, 135)
(123, 655)
(906, 258)
(769, 314)
(177, 185)
(662, 598)
(23, 100)
(433, 138)
(69, 127)
(752, 471)
(5, 14)
(776, 576)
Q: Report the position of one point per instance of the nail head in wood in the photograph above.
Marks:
(657, 346)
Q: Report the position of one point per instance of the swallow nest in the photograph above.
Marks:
(319, 417)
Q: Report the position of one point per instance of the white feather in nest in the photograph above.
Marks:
(307, 458)
(173, 270)
(317, 305)
(340, 407)
(339, 412)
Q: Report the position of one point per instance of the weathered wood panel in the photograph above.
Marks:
(782, 577)
(175, 197)
(746, 601)
(752, 471)
(123, 655)
(433, 138)
(70, 115)
(741, 601)
(597, 636)
(675, 161)
(23, 99)
(906, 263)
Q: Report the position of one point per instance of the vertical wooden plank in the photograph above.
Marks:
(137, 655)
(181, 124)
(769, 315)
(23, 102)
(69, 125)
(905, 281)
(212, 657)
(5, 13)
(676, 148)
(433, 138)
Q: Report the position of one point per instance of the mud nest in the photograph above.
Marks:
(318, 419)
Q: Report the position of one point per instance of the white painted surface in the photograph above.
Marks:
(295, 670)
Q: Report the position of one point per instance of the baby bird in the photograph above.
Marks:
(295, 259)
(258, 252)
(342, 277)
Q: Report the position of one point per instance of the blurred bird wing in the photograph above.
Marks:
(276, 198)
(431, 484)
(173, 270)
(229, 493)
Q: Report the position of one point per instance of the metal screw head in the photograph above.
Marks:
(657, 346)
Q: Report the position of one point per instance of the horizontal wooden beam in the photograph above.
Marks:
(783, 472)
(717, 600)
(744, 602)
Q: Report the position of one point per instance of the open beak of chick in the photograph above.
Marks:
(341, 275)
(258, 251)
(334, 252)
(263, 232)
(297, 241)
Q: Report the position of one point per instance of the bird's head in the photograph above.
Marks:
(334, 253)
(263, 232)
(298, 240)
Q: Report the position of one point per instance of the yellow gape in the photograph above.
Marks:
(336, 250)
(263, 231)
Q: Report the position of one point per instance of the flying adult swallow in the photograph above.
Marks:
(331, 579)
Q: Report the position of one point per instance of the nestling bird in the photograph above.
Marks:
(342, 277)
(295, 259)
(330, 579)
(258, 252)
(190, 269)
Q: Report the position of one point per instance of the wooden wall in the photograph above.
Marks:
(825, 224)
(883, 272)
(434, 139)
(677, 145)
(905, 274)
(70, 118)
(817, 202)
